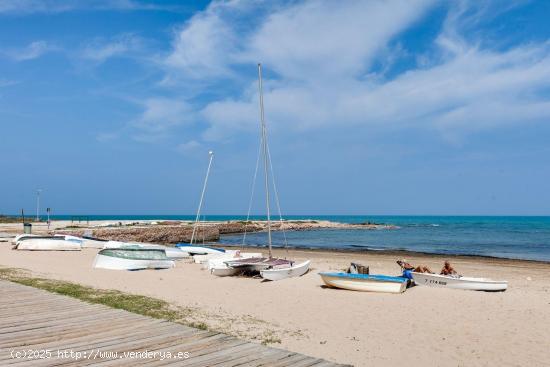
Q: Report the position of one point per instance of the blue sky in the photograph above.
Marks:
(373, 107)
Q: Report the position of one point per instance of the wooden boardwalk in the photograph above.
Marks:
(36, 326)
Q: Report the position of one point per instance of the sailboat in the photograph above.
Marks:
(270, 268)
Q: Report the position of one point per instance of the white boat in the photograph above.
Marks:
(48, 243)
(199, 250)
(20, 237)
(365, 282)
(276, 273)
(136, 258)
(459, 282)
(172, 253)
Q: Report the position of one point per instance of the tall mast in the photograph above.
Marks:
(211, 154)
(264, 148)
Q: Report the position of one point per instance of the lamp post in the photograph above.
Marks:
(38, 191)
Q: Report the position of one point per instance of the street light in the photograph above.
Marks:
(38, 191)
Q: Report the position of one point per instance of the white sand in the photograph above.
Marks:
(423, 326)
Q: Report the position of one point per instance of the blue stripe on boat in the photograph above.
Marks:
(179, 245)
(385, 278)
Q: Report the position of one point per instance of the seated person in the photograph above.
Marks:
(448, 269)
(408, 267)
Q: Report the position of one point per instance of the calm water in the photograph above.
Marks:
(508, 237)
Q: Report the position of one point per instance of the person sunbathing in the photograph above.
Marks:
(419, 269)
(448, 269)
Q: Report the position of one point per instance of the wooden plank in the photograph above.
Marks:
(35, 319)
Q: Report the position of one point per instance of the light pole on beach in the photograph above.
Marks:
(38, 191)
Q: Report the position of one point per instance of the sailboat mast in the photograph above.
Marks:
(211, 154)
(264, 148)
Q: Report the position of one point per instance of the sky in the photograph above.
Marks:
(406, 107)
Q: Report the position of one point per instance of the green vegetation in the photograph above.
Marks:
(142, 305)
(9, 219)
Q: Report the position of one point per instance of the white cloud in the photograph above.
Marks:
(188, 147)
(32, 51)
(123, 45)
(322, 53)
(159, 116)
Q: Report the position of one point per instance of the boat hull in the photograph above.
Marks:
(365, 282)
(296, 270)
(54, 244)
(199, 250)
(114, 263)
(465, 283)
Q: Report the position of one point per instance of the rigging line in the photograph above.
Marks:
(197, 218)
(252, 193)
(276, 192)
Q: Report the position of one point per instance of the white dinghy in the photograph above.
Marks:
(132, 258)
(172, 253)
(48, 243)
(459, 282)
(365, 282)
(294, 270)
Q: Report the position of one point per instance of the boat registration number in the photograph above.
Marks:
(431, 281)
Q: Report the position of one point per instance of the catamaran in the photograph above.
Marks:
(270, 268)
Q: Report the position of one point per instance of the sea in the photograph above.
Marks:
(513, 237)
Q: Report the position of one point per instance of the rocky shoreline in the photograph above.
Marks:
(171, 232)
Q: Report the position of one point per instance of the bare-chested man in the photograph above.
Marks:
(419, 269)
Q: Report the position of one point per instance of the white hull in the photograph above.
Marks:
(115, 263)
(233, 255)
(363, 285)
(44, 244)
(466, 283)
(218, 267)
(173, 253)
(200, 250)
(23, 236)
(295, 270)
(226, 271)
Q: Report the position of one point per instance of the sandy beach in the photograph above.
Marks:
(423, 326)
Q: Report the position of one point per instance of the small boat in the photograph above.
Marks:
(172, 253)
(23, 236)
(459, 282)
(295, 270)
(132, 258)
(48, 243)
(199, 250)
(365, 282)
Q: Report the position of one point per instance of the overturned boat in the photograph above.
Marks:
(132, 258)
(48, 243)
(192, 249)
(365, 282)
(459, 282)
(172, 253)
